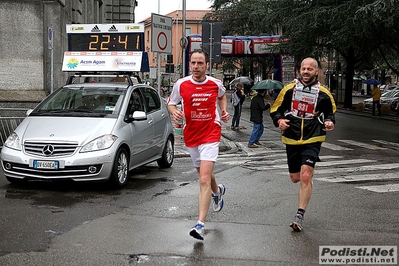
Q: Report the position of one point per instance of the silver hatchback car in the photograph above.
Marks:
(91, 131)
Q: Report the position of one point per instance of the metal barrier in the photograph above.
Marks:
(10, 118)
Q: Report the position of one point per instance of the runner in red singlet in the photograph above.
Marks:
(201, 98)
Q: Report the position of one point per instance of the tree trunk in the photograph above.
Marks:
(350, 69)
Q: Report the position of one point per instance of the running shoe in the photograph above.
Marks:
(253, 146)
(198, 231)
(218, 201)
(296, 225)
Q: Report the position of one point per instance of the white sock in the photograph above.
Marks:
(217, 193)
(201, 223)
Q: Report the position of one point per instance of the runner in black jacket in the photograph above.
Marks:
(304, 111)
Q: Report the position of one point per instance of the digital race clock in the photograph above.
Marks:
(105, 37)
(105, 42)
(105, 47)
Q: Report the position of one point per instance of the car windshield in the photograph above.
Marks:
(81, 100)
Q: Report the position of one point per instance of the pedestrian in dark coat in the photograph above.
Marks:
(257, 107)
(235, 122)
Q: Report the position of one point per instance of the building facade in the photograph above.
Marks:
(33, 41)
(193, 23)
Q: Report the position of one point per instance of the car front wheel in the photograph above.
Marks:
(120, 170)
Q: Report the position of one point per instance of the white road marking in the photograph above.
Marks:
(382, 188)
(332, 168)
(341, 162)
(361, 144)
(362, 168)
(328, 164)
(329, 157)
(335, 147)
(393, 145)
(360, 177)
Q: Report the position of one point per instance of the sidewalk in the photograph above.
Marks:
(226, 146)
(367, 112)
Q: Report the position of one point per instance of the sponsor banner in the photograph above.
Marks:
(196, 43)
(241, 45)
(359, 255)
(102, 61)
(227, 46)
(261, 45)
(91, 28)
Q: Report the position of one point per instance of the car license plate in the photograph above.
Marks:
(45, 164)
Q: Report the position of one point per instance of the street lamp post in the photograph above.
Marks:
(159, 57)
(184, 36)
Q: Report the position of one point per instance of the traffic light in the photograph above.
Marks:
(169, 58)
(170, 68)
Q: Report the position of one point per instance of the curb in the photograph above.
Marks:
(367, 113)
(226, 147)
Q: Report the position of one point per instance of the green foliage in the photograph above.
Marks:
(359, 31)
(316, 26)
(243, 17)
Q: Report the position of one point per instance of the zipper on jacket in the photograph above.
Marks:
(302, 126)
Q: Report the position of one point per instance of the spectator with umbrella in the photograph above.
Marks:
(369, 82)
(246, 81)
(269, 84)
(243, 79)
(376, 94)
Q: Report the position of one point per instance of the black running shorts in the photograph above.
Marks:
(297, 155)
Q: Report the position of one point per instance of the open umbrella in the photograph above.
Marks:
(243, 79)
(371, 81)
(268, 84)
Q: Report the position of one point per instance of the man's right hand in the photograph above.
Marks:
(283, 124)
(177, 115)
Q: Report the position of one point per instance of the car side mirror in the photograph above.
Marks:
(137, 116)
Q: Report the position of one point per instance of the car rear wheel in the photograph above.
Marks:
(120, 170)
(168, 154)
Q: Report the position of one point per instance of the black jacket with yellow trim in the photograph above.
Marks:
(303, 130)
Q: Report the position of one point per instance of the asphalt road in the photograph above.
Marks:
(148, 222)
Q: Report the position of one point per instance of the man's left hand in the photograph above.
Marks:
(329, 125)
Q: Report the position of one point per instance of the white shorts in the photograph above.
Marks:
(204, 152)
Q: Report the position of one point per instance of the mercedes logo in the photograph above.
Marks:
(48, 150)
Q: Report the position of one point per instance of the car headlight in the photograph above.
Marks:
(13, 142)
(101, 143)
